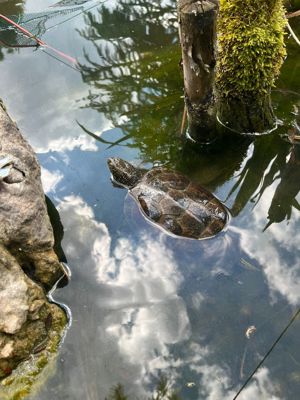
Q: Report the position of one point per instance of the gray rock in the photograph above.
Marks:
(25, 227)
(29, 324)
(13, 295)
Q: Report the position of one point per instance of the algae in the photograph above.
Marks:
(31, 374)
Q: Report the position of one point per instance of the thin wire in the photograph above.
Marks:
(268, 353)
(59, 59)
(61, 54)
(74, 16)
(39, 41)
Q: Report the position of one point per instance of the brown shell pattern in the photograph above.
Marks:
(178, 205)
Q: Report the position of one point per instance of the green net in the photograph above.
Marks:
(36, 23)
(68, 3)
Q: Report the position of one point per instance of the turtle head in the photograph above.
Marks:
(124, 173)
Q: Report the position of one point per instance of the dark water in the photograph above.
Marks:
(144, 304)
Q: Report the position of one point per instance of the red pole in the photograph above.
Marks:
(39, 41)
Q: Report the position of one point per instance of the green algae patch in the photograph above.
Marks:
(31, 374)
(251, 47)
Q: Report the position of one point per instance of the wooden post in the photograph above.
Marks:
(197, 32)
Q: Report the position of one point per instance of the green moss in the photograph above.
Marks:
(251, 47)
(30, 375)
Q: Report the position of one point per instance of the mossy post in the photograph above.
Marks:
(230, 79)
(197, 31)
(250, 53)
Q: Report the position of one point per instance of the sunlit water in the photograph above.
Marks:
(145, 304)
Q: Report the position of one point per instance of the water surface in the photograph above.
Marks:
(145, 304)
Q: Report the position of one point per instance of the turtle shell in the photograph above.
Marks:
(178, 205)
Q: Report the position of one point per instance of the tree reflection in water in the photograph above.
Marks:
(284, 199)
(134, 78)
(272, 161)
(135, 81)
(162, 392)
(14, 7)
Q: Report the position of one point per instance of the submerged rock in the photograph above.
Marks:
(26, 316)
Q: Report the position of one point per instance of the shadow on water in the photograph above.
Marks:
(58, 229)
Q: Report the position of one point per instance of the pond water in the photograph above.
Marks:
(146, 305)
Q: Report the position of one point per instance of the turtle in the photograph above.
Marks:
(171, 200)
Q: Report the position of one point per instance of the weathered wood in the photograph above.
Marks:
(234, 86)
(197, 31)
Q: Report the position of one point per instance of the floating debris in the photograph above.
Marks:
(190, 384)
(250, 331)
(248, 265)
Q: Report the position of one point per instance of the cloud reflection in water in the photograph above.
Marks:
(275, 250)
(137, 281)
(142, 326)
